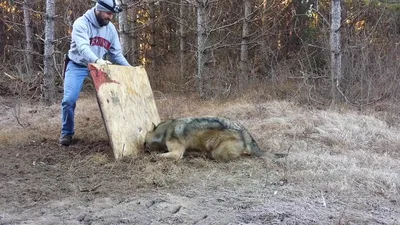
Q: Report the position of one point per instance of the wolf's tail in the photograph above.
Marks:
(255, 149)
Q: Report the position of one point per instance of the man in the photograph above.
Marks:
(93, 37)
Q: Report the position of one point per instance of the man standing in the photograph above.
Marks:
(93, 37)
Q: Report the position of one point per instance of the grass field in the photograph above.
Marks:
(343, 167)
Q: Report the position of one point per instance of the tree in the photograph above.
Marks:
(152, 41)
(203, 48)
(263, 42)
(134, 53)
(2, 37)
(123, 29)
(182, 38)
(28, 37)
(48, 87)
(244, 47)
(336, 55)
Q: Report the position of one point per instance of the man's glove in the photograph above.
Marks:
(103, 62)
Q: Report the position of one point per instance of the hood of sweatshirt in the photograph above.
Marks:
(90, 15)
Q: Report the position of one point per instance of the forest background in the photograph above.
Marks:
(283, 49)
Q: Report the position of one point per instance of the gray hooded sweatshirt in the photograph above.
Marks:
(90, 41)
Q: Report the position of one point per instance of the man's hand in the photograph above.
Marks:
(103, 62)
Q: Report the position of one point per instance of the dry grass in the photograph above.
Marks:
(344, 157)
(323, 144)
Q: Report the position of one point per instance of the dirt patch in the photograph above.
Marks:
(337, 171)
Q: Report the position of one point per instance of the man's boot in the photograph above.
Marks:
(65, 140)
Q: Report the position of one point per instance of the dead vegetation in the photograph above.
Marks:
(342, 168)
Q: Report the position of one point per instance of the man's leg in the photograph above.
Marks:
(73, 81)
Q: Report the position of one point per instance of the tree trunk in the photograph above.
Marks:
(123, 29)
(134, 56)
(336, 55)
(152, 42)
(2, 38)
(182, 38)
(203, 49)
(167, 25)
(48, 87)
(316, 5)
(244, 48)
(28, 37)
(263, 44)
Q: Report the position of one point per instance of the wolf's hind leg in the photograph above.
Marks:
(227, 150)
(175, 150)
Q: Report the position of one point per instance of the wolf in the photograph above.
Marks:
(218, 137)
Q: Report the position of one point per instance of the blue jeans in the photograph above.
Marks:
(73, 81)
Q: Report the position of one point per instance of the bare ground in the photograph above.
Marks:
(343, 168)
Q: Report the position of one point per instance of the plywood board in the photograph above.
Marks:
(127, 105)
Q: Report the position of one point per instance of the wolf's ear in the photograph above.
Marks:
(153, 126)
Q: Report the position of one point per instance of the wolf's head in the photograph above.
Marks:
(155, 138)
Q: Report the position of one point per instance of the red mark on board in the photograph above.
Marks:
(99, 77)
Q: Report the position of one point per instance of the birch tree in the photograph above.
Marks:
(316, 5)
(336, 55)
(203, 48)
(2, 37)
(28, 37)
(123, 28)
(152, 42)
(167, 24)
(134, 56)
(244, 47)
(263, 41)
(182, 38)
(48, 87)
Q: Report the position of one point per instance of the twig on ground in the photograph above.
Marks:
(342, 215)
(89, 189)
(202, 218)
(8, 75)
(285, 169)
(176, 209)
(323, 199)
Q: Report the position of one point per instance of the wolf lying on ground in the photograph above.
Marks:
(220, 138)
